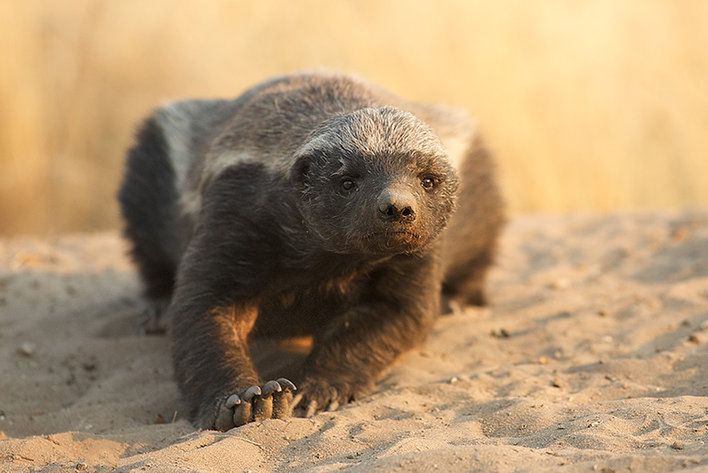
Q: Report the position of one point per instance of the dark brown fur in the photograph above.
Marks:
(247, 199)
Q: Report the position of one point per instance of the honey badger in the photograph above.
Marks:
(311, 205)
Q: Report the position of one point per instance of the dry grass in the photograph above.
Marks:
(590, 105)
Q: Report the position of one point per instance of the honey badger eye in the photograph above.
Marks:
(348, 184)
(427, 183)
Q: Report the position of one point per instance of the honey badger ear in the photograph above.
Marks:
(300, 171)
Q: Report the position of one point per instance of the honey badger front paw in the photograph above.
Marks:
(318, 395)
(273, 400)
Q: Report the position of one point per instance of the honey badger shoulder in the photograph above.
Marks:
(312, 204)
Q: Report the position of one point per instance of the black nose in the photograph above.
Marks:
(396, 206)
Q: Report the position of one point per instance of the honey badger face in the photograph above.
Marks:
(375, 181)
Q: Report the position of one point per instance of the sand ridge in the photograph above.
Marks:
(593, 358)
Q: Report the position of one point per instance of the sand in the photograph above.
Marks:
(593, 357)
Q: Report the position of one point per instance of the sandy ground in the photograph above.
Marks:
(594, 357)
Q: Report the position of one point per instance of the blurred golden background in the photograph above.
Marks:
(590, 106)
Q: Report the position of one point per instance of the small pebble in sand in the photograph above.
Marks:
(677, 445)
(693, 338)
(556, 383)
(560, 283)
(500, 333)
(27, 349)
(453, 380)
(81, 466)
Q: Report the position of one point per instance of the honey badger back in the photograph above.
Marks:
(311, 204)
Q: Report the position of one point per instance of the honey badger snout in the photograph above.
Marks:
(396, 205)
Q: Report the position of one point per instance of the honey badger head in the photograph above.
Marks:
(375, 181)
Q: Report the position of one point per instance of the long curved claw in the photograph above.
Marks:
(232, 401)
(287, 384)
(297, 399)
(311, 409)
(271, 387)
(333, 406)
(251, 392)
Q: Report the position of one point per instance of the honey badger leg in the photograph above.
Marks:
(148, 202)
(211, 319)
(215, 371)
(474, 229)
(351, 353)
(466, 285)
